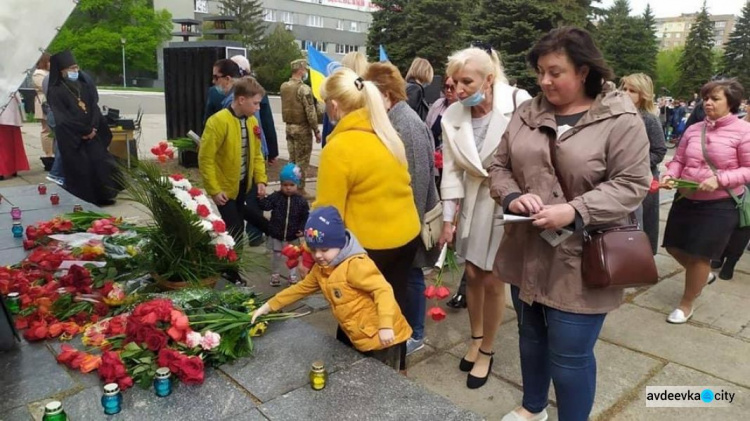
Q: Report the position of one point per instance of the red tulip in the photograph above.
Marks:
(163, 146)
(442, 292)
(436, 313)
(162, 158)
(430, 292)
(156, 151)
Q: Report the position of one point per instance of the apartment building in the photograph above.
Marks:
(673, 31)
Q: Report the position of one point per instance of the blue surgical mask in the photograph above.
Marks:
(73, 75)
(475, 99)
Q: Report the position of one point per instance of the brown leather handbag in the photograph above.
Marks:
(613, 257)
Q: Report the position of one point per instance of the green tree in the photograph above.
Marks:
(249, 23)
(271, 62)
(513, 26)
(667, 72)
(651, 42)
(389, 28)
(433, 20)
(628, 44)
(94, 30)
(736, 60)
(696, 62)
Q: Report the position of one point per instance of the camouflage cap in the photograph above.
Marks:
(299, 64)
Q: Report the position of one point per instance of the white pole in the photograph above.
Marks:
(124, 78)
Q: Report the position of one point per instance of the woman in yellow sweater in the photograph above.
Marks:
(363, 173)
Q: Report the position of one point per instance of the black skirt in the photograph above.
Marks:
(701, 227)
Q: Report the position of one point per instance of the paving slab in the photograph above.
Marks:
(29, 373)
(215, 399)
(366, 390)
(250, 415)
(618, 368)
(722, 305)
(696, 347)
(441, 375)
(677, 375)
(283, 357)
(454, 329)
(18, 414)
(667, 266)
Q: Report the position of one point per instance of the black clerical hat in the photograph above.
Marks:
(63, 59)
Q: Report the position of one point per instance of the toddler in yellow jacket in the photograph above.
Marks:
(361, 299)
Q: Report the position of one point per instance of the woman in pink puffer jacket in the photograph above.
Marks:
(701, 222)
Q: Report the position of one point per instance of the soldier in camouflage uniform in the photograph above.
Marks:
(299, 113)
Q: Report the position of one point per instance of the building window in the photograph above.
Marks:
(353, 27)
(287, 17)
(269, 15)
(318, 45)
(345, 48)
(316, 21)
(201, 6)
(721, 24)
(340, 25)
(677, 35)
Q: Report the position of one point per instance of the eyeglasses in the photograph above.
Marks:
(449, 88)
(216, 77)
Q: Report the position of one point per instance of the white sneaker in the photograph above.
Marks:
(678, 317)
(515, 416)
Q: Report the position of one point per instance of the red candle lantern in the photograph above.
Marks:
(42, 188)
(54, 199)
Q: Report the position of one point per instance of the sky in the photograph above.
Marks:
(664, 8)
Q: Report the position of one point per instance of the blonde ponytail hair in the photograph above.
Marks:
(488, 63)
(351, 93)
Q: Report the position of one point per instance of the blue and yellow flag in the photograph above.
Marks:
(318, 69)
(383, 55)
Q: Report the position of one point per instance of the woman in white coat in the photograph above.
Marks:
(472, 129)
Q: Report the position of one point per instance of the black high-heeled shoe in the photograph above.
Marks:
(473, 382)
(458, 301)
(466, 365)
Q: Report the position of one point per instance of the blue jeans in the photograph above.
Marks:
(559, 346)
(416, 307)
(57, 166)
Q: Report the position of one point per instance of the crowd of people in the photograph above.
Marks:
(582, 154)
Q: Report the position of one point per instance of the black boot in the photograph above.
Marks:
(727, 271)
(717, 264)
(47, 161)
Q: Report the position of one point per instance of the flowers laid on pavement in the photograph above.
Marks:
(437, 291)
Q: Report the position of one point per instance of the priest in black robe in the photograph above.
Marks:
(81, 132)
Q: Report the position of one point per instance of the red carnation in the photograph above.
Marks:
(195, 192)
(232, 256)
(177, 177)
(256, 131)
(221, 251)
(439, 159)
(203, 211)
(219, 226)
